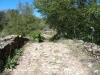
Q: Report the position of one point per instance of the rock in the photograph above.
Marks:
(79, 41)
(96, 71)
(98, 57)
(93, 48)
(90, 64)
(10, 43)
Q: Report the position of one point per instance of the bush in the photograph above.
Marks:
(34, 35)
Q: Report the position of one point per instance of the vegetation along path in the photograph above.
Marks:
(48, 58)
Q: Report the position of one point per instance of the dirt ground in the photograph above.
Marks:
(49, 58)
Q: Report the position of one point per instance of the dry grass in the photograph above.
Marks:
(87, 59)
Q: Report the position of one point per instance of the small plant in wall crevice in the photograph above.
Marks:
(11, 60)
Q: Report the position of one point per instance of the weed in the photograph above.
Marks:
(11, 60)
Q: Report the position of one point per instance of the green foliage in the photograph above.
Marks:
(9, 63)
(21, 21)
(12, 59)
(19, 24)
(34, 35)
(2, 20)
(64, 17)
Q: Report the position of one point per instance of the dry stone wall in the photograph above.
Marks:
(10, 43)
(93, 49)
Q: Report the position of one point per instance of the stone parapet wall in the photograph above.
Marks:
(9, 43)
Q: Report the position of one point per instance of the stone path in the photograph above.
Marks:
(48, 59)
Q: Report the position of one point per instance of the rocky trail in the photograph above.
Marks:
(49, 58)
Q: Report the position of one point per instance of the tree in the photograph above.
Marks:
(75, 20)
(57, 12)
(2, 20)
(21, 21)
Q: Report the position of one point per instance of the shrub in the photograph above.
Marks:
(34, 35)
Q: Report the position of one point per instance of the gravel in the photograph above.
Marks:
(48, 58)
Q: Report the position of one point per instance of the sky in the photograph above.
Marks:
(12, 4)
